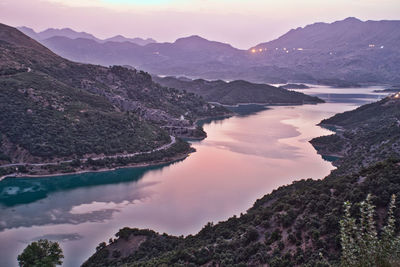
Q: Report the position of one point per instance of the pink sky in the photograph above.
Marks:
(243, 23)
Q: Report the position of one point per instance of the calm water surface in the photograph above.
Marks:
(243, 158)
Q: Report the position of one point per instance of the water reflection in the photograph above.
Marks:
(243, 158)
(89, 197)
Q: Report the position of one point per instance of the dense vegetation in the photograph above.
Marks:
(363, 136)
(41, 253)
(235, 92)
(53, 109)
(362, 246)
(295, 225)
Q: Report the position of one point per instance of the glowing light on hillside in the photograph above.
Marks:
(397, 95)
(371, 45)
(260, 50)
(253, 50)
(300, 49)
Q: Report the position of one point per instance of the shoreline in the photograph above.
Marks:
(133, 165)
(266, 104)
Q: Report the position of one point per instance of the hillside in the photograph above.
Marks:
(363, 136)
(52, 109)
(295, 225)
(235, 92)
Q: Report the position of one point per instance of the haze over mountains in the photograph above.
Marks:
(69, 33)
(342, 53)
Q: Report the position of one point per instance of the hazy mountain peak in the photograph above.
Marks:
(136, 40)
(192, 38)
(351, 19)
(66, 32)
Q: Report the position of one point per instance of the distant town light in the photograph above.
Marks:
(253, 50)
(371, 45)
(382, 46)
(260, 50)
(300, 49)
(397, 95)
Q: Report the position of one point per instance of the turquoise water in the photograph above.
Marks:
(243, 158)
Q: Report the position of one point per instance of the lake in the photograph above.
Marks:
(243, 158)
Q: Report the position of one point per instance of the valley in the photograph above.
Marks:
(185, 151)
(99, 204)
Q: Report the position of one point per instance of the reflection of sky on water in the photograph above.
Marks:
(242, 158)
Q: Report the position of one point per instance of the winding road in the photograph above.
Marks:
(163, 147)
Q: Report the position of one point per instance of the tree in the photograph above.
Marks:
(361, 245)
(42, 253)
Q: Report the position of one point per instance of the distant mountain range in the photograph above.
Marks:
(71, 34)
(343, 53)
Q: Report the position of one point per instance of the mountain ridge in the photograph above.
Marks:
(353, 52)
(72, 34)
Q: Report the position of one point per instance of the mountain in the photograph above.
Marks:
(71, 34)
(350, 33)
(66, 32)
(137, 40)
(51, 32)
(350, 50)
(344, 53)
(52, 109)
(236, 92)
(295, 225)
(186, 55)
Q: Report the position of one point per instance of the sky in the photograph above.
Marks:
(242, 23)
